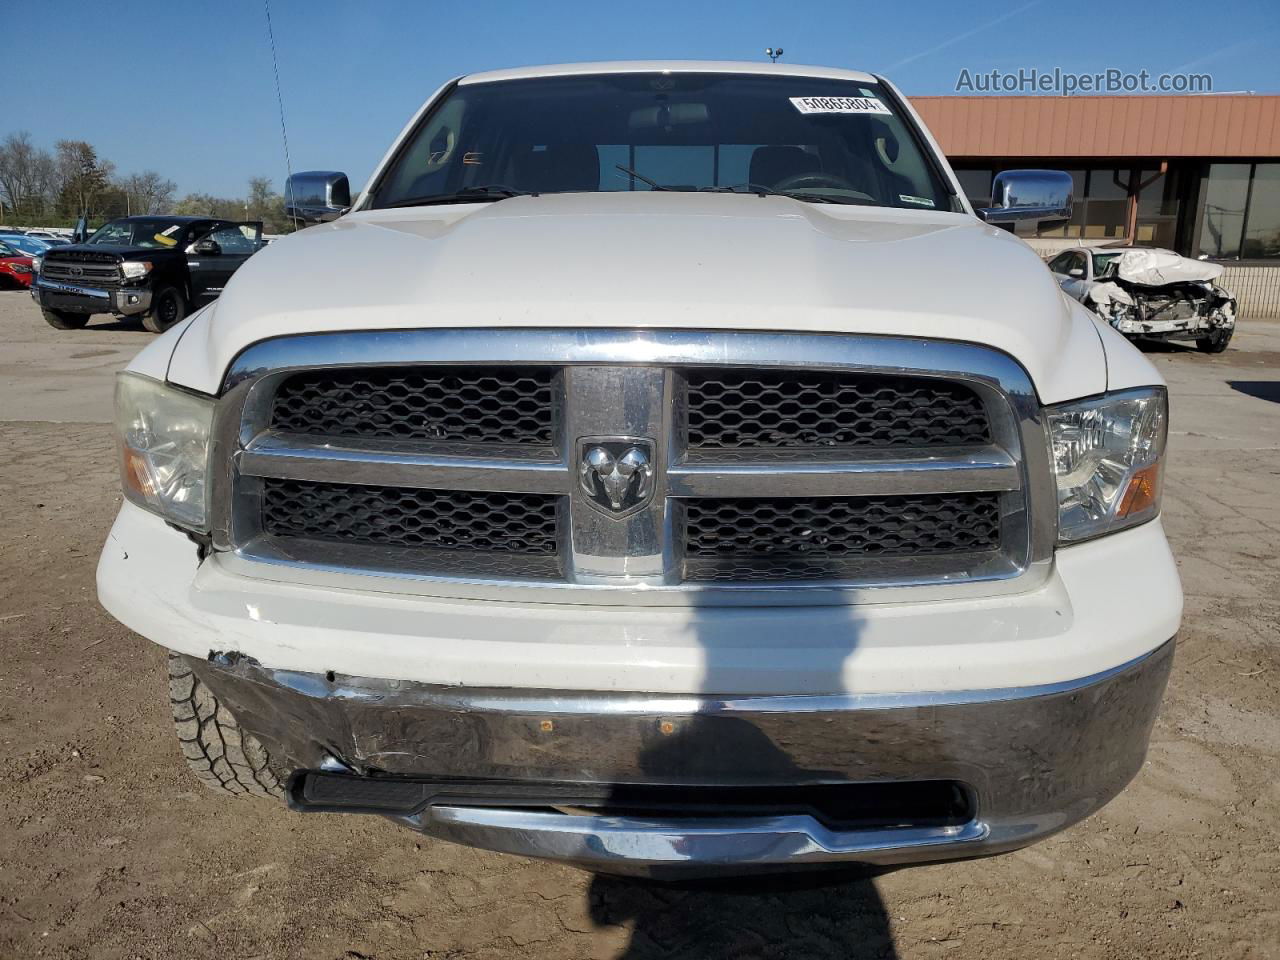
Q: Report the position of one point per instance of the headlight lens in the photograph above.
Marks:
(133, 269)
(1107, 455)
(35, 263)
(164, 446)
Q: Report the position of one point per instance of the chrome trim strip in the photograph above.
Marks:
(638, 843)
(518, 346)
(57, 286)
(304, 458)
(987, 469)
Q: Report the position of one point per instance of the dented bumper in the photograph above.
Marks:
(1028, 763)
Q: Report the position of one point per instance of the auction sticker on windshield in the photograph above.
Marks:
(839, 105)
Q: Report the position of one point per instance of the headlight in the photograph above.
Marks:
(164, 446)
(35, 264)
(133, 269)
(1107, 454)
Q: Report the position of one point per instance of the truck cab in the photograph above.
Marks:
(155, 268)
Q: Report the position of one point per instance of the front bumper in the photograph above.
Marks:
(78, 298)
(1034, 760)
(1039, 703)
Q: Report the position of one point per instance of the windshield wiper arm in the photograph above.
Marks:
(761, 190)
(493, 191)
(828, 198)
(654, 184)
(758, 189)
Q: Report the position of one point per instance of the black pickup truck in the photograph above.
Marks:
(156, 268)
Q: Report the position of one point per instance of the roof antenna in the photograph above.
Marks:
(773, 53)
(284, 135)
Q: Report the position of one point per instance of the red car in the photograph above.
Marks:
(15, 267)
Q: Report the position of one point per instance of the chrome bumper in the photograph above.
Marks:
(1035, 759)
(73, 296)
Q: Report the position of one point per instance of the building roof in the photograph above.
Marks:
(1160, 127)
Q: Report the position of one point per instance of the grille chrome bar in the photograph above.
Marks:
(291, 457)
(955, 470)
(629, 383)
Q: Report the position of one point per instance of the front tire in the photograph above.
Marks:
(226, 759)
(1215, 342)
(167, 308)
(65, 319)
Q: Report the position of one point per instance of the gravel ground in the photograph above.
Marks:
(109, 849)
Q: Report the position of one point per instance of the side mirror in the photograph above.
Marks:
(81, 233)
(317, 196)
(207, 248)
(1075, 272)
(1039, 195)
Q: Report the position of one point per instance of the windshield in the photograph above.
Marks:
(8, 251)
(835, 141)
(28, 245)
(1104, 264)
(151, 233)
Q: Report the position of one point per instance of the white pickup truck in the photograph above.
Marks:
(660, 467)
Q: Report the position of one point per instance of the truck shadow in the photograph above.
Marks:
(813, 913)
(1258, 389)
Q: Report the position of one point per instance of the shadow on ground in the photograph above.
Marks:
(838, 915)
(1259, 389)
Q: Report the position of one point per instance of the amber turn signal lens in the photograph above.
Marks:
(136, 475)
(1143, 493)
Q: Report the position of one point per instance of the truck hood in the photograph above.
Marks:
(711, 261)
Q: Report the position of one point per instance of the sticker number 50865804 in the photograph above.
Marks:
(839, 105)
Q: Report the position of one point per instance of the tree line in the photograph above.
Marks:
(50, 188)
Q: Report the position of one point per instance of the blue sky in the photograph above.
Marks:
(186, 88)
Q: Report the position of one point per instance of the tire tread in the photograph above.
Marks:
(224, 757)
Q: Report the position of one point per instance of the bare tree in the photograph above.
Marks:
(148, 192)
(24, 170)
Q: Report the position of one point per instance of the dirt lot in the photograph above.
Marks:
(108, 849)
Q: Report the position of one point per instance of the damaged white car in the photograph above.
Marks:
(1150, 294)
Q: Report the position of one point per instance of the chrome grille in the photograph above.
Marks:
(828, 538)
(736, 409)
(81, 270)
(507, 405)
(425, 454)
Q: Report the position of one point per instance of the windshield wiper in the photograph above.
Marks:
(761, 190)
(479, 194)
(758, 189)
(829, 198)
(654, 184)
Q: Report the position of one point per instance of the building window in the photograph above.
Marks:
(1159, 206)
(1262, 228)
(1101, 198)
(1241, 214)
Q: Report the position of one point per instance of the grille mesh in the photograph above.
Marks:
(81, 267)
(504, 405)
(506, 523)
(779, 539)
(819, 409)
